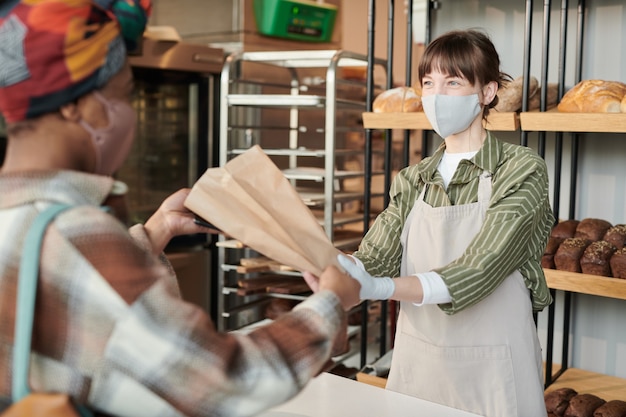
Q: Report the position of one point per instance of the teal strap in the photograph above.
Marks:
(26, 294)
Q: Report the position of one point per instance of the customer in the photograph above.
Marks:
(110, 327)
(464, 231)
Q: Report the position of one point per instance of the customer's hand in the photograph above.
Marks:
(172, 219)
(346, 288)
(379, 288)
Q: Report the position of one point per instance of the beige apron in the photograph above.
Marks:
(485, 359)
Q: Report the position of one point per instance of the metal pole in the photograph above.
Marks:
(367, 162)
(407, 78)
(558, 144)
(432, 5)
(544, 70)
(526, 69)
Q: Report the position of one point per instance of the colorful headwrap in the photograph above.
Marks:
(55, 51)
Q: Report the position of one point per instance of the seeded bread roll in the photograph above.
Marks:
(398, 100)
(618, 264)
(594, 96)
(557, 401)
(596, 259)
(567, 257)
(592, 229)
(616, 235)
(583, 405)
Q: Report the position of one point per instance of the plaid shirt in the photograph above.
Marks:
(111, 329)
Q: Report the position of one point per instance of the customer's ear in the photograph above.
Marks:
(70, 112)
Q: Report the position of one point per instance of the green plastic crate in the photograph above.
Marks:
(302, 20)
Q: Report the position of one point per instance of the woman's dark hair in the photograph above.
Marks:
(464, 53)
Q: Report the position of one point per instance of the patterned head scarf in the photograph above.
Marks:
(54, 51)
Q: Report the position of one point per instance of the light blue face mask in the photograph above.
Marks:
(451, 114)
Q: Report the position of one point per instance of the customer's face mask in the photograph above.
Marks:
(450, 114)
(113, 142)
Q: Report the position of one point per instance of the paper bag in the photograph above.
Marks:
(250, 199)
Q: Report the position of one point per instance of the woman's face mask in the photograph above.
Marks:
(113, 142)
(450, 114)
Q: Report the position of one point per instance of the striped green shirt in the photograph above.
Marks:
(513, 236)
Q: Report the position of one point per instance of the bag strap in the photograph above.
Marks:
(26, 294)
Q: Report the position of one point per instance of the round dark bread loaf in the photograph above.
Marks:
(613, 408)
(592, 229)
(547, 260)
(557, 401)
(583, 405)
(565, 229)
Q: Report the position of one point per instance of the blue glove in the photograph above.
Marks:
(380, 288)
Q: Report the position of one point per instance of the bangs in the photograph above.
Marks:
(455, 59)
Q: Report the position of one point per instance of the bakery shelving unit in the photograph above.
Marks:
(604, 386)
(299, 106)
(568, 283)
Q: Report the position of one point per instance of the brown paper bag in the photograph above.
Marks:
(250, 199)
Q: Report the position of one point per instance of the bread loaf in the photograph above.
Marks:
(510, 94)
(567, 257)
(592, 229)
(547, 260)
(583, 405)
(594, 96)
(596, 258)
(565, 229)
(534, 101)
(613, 408)
(616, 235)
(557, 401)
(398, 100)
(618, 264)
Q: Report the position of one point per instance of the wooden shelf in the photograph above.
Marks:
(586, 284)
(555, 121)
(585, 382)
(417, 120)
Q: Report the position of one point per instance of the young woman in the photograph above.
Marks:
(464, 233)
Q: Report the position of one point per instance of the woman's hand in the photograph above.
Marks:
(172, 219)
(346, 288)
